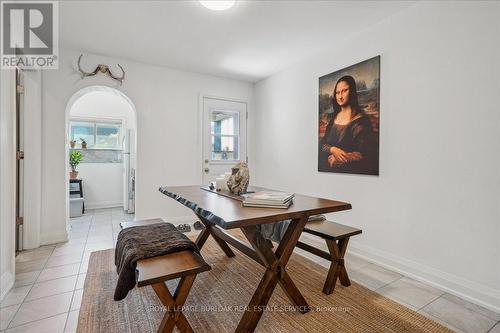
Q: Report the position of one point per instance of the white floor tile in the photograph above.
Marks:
(442, 322)
(101, 226)
(80, 281)
(52, 287)
(36, 254)
(30, 266)
(72, 322)
(24, 279)
(73, 242)
(65, 259)
(101, 218)
(459, 316)
(77, 234)
(57, 272)
(102, 211)
(410, 292)
(42, 308)
(81, 219)
(373, 276)
(77, 300)
(75, 250)
(98, 246)
(102, 238)
(6, 315)
(471, 306)
(80, 227)
(49, 325)
(353, 262)
(83, 267)
(15, 296)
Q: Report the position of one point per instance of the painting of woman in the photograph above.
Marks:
(347, 140)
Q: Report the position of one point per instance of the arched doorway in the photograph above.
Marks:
(101, 126)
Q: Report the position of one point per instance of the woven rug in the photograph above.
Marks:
(218, 296)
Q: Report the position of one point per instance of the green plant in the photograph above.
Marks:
(83, 141)
(75, 157)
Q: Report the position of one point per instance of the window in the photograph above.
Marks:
(98, 135)
(225, 135)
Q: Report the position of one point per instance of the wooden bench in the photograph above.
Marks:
(155, 271)
(337, 237)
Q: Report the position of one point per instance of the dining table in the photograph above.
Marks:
(220, 211)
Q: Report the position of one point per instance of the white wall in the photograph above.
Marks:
(433, 212)
(7, 180)
(168, 140)
(103, 182)
(104, 104)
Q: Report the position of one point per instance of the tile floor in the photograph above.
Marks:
(49, 283)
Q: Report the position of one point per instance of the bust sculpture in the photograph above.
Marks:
(239, 179)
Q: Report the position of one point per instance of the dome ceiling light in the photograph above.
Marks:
(218, 4)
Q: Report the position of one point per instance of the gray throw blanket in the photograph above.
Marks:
(143, 242)
(276, 230)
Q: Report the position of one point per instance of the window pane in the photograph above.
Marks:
(107, 135)
(224, 147)
(82, 130)
(225, 135)
(225, 123)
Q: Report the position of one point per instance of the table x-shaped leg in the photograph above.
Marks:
(174, 316)
(337, 267)
(275, 263)
(207, 231)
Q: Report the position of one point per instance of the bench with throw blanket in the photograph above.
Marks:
(142, 242)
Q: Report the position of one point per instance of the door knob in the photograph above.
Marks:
(206, 170)
(206, 161)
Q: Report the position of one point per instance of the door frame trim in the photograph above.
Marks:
(202, 96)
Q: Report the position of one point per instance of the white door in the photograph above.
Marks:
(224, 136)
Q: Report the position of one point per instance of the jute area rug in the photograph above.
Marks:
(218, 297)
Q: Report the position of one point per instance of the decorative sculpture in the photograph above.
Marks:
(103, 69)
(240, 177)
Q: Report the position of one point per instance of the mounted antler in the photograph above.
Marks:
(103, 69)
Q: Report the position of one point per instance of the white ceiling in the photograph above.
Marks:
(251, 41)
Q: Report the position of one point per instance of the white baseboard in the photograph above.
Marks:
(472, 291)
(103, 204)
(54, 237)
(6, 283)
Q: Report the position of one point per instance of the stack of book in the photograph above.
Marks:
(268, 199)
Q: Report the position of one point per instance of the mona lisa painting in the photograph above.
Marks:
(349, 113)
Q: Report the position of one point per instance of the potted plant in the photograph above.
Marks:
(84, 143)
(75, 157)
(72, 144)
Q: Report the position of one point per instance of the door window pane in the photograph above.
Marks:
(225, 122)
(225, 147)
(225, 135)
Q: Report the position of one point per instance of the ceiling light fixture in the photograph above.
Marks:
(218, 4)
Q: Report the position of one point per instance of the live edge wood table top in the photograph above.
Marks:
(229, 213)
(218, 211)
